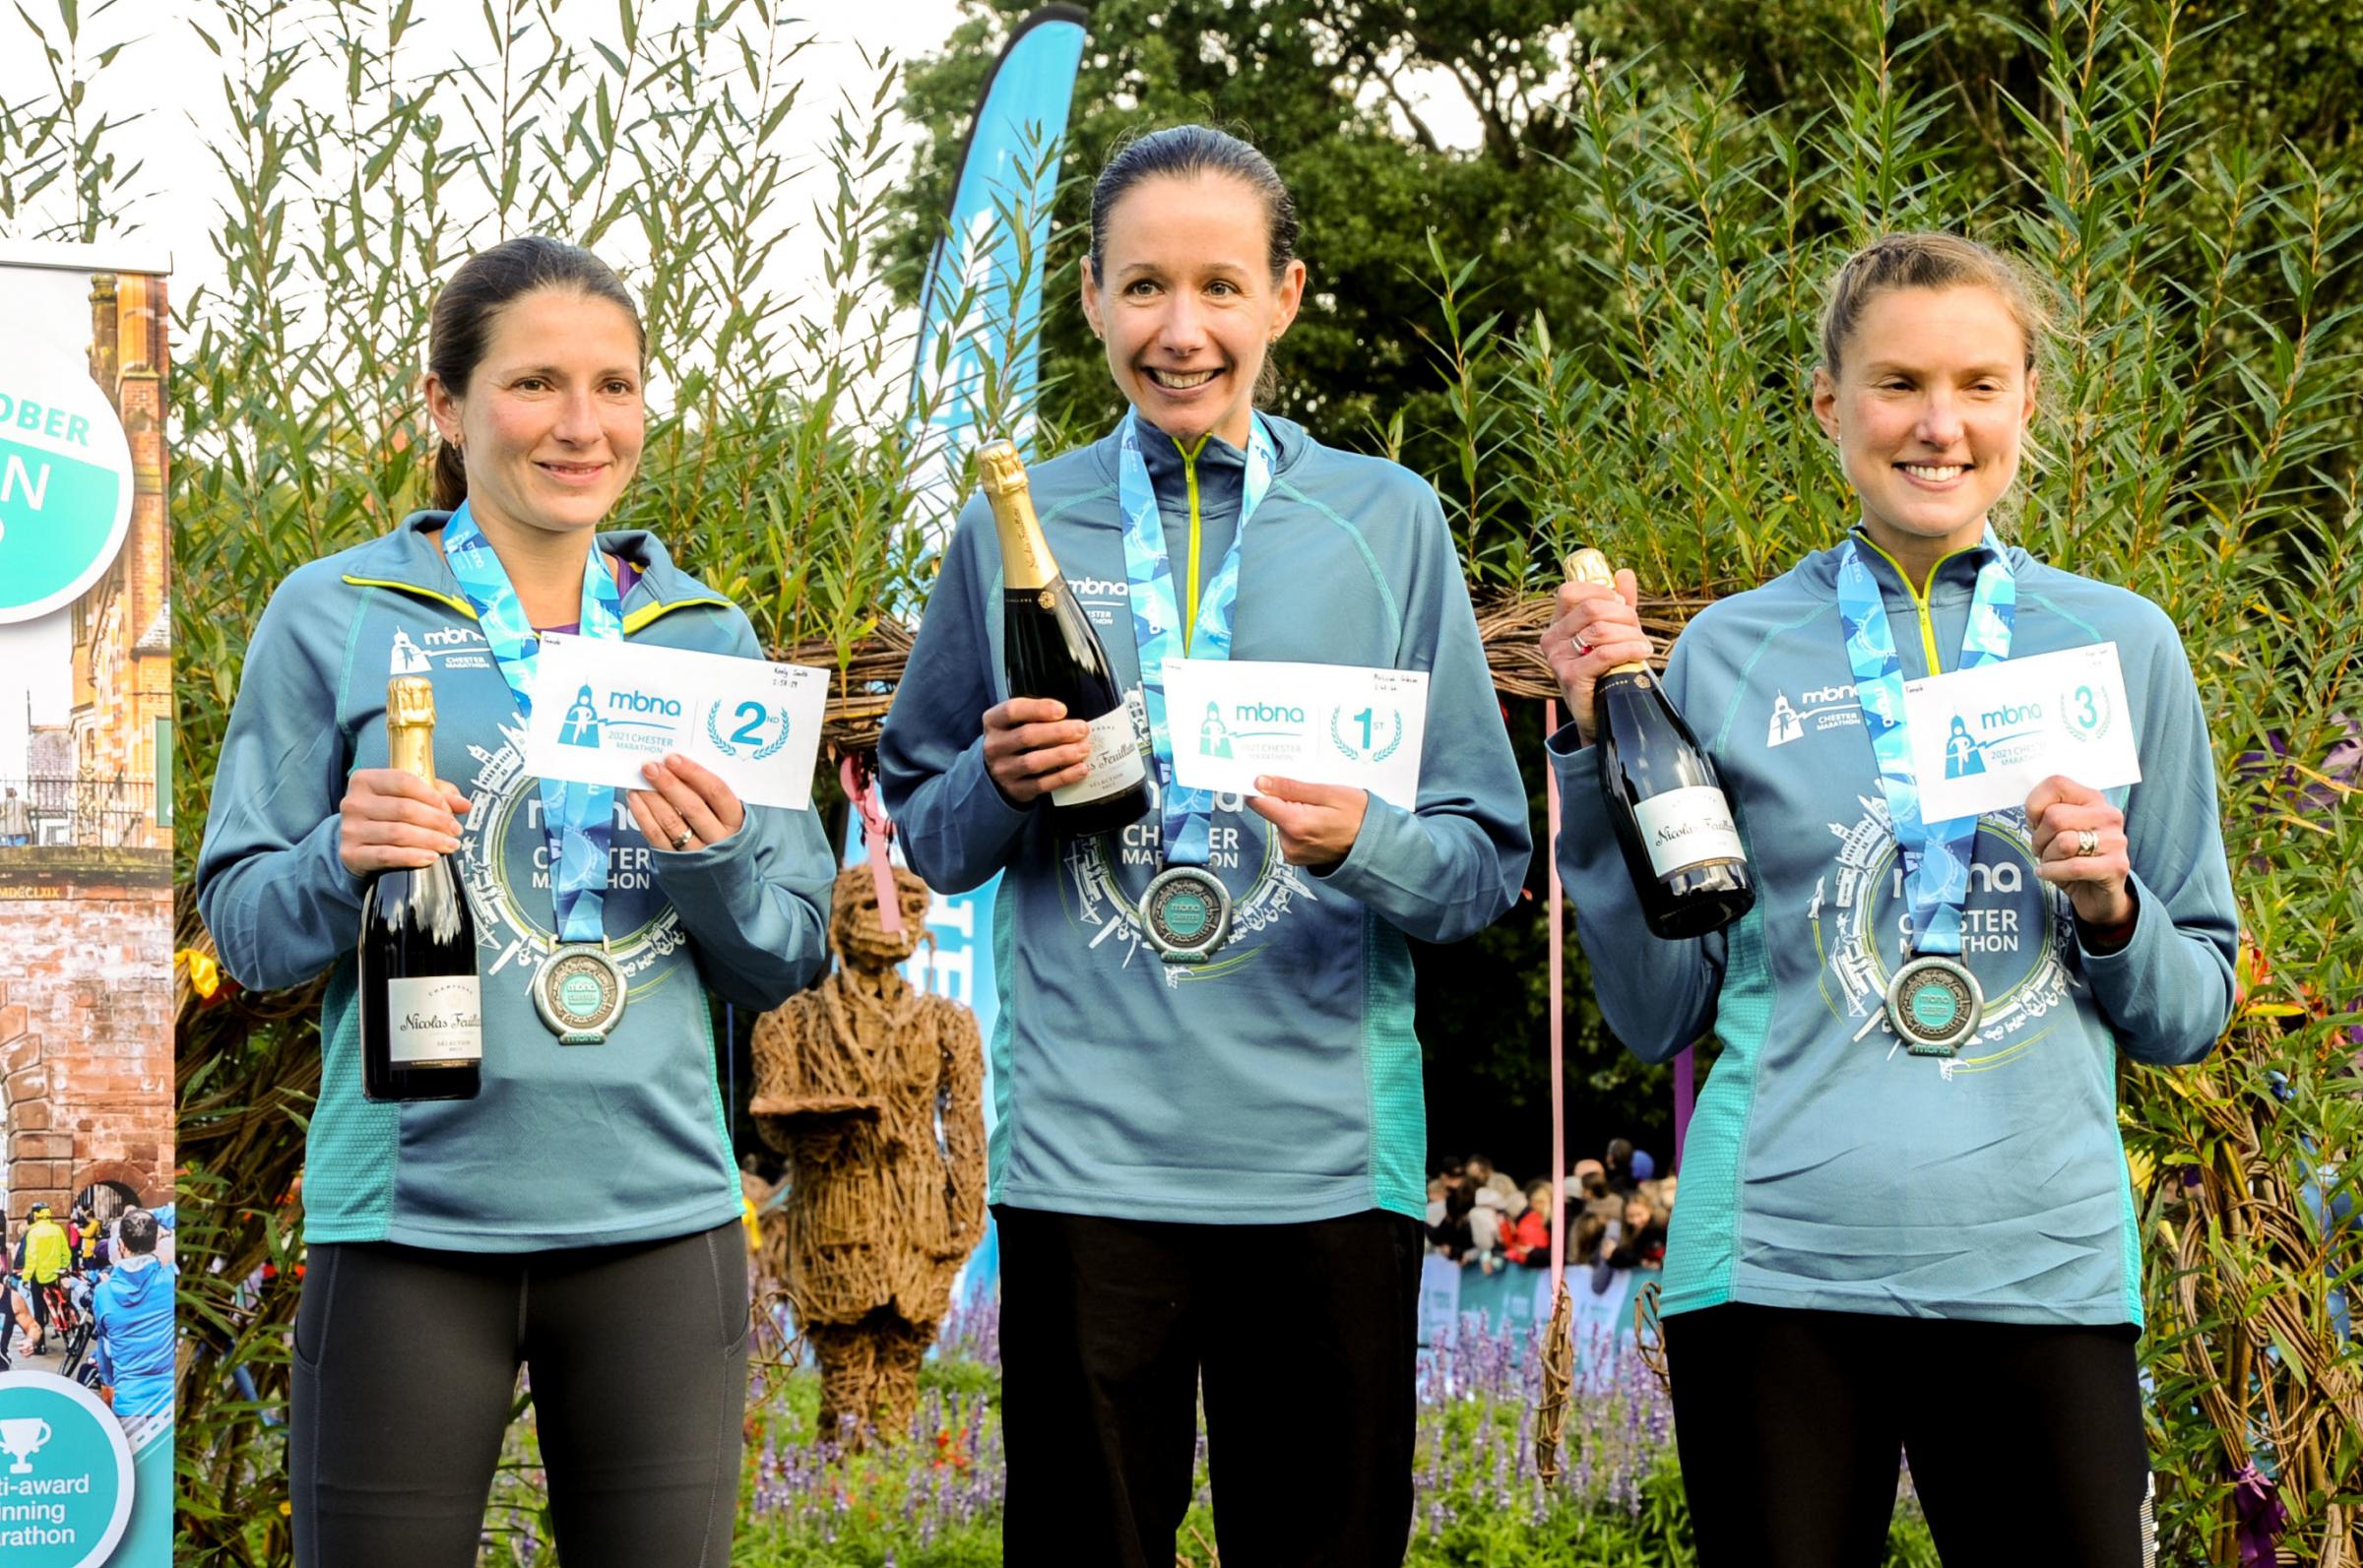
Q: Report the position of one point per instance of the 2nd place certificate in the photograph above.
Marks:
(602, 710)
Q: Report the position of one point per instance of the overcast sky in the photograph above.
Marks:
(166, 69)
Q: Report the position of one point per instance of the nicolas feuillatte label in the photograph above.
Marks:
(438, 1018)
(1115, 761)
(1685, 828)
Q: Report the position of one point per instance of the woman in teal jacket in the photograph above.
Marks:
(1890, 1240)
(1176, 1146)
(587, 1199)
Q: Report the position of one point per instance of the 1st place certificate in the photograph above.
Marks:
(603, 708)
(1232, 720)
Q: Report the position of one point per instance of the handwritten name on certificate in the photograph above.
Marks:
(1983, 738)
(1232, 719)
(602, 708)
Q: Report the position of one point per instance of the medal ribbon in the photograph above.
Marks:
(1157, 619)
(1936, 856)
(579, 818)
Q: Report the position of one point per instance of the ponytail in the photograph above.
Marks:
(448, 480)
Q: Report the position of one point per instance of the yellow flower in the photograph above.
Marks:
(205, 975)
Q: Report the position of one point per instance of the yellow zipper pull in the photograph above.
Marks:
(1189, 479)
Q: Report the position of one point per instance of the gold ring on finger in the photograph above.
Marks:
(2087, 842)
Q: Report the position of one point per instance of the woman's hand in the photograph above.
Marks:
(1317, 822)
(690, 807)
(2067, 818)
(1031, 748)
(392, 819)
(1597, 628)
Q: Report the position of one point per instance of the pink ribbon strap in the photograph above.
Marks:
(1559, 1007)
(862, 789)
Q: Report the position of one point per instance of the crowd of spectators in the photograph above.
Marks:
(1617, 1211)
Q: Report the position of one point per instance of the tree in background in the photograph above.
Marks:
(1425, 258)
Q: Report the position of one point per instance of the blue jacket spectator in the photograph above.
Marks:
(133, 1306)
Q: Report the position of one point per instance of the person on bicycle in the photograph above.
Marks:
(43, 1254)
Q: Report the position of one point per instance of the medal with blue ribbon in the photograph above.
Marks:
(1186, 908)
(1934, 1002)
(578, 989)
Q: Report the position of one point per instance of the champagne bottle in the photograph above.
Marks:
(1050, 650)
(421, 1008)
(1672, 817)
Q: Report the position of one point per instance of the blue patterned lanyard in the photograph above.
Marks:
(577, 817)
(1157, 618)
(1936, 856)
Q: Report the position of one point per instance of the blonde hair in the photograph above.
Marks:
(1929, 259)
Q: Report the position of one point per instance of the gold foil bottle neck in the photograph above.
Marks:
(1588, 565)
(1027, 564)
(411, 726)
(998, 468)
(409, 700)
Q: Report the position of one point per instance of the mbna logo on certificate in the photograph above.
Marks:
(65, 1474)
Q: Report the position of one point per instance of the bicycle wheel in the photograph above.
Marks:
(78, 1344)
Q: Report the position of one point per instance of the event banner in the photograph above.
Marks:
(979, 316)
(86, 902)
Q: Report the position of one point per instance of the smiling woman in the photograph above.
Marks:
(1216, 1079)
(1906, 1218)
(590, 1175)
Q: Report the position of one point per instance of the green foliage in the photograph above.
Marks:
(2200, 408)
(363, 160)
(1626, 364)
(1596, 326)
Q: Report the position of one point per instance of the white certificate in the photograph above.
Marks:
(1983, 738)
(1319, 724)
(602, 708)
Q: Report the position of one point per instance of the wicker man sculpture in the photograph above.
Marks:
(874, 1090)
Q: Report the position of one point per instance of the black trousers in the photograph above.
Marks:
(406, 1363)
(1110, 1326)
(2026, 1441)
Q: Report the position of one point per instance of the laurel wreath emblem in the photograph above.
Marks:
(1353, 753)
(768, 749)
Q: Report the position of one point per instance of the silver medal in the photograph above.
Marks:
(1186, 912)
(1934, 1005)
(580, 993)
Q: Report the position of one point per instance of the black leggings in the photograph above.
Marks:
(2025, 1440)
(405, 1364)
(1111, 1329)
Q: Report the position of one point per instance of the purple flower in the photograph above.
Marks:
(2260, 1517)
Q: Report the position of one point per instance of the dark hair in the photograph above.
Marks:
(138, 1229)
(1187, 151)
(1619, 1151)
(485, 284)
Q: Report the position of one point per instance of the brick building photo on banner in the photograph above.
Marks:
(86, 725)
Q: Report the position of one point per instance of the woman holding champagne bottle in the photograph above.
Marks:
(1205, 1077)
(572, 1203)
(1906, 1223)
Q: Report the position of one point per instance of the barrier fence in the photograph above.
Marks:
(77, 811)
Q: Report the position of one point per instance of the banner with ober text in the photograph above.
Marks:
(86, 904)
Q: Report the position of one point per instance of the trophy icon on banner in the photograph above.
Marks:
(23, 1437)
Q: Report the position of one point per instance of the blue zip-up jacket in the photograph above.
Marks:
(564, 1145)
(133, 1311)
(1281, 1081)
(1827, 1167)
